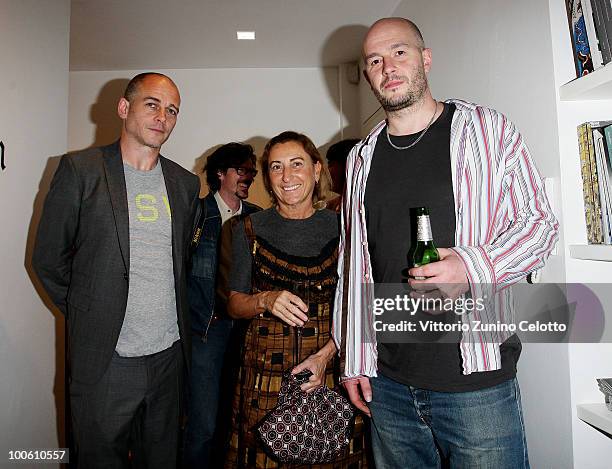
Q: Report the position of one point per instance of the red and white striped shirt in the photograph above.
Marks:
(505, 229)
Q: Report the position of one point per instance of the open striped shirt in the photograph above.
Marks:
(505, 229)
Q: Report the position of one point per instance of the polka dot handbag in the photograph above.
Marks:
(306, 428)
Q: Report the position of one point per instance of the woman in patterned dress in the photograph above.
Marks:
(284, 276)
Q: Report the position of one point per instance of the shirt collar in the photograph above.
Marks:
(224, 210)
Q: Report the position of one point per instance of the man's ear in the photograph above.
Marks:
(426, 59)
(123, 107)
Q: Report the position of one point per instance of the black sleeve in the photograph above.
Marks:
(240, 275)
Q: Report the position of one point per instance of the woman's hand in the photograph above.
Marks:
(316, 364)
(286, 306)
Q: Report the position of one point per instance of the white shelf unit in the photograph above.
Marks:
(592, 252)
(595, 85)
(597, 415)
(588, 98)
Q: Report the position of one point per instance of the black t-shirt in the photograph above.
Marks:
(398, 181)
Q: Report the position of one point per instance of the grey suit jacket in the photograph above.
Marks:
(82, 252)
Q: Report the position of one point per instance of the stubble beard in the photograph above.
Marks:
(148, 142)
(416, 90)
(154, 146)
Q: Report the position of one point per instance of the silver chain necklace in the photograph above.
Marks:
(423, 132)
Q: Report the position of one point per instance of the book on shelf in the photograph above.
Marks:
(580, 41)
(594, 139)
(597, 230)
(587, 184)
(603, 180)
(595, 45)
(606, 168)
(606, 8)
(602, 27)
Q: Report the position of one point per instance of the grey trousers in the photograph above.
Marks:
(133, 409)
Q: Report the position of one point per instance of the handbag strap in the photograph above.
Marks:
(252, 242)
(298, 331)
(297, 344)
(250, 234)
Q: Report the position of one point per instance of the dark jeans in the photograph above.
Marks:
(134, 406)
(207, 366)
(416, 428)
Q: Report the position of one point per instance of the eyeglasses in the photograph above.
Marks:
(242, 171)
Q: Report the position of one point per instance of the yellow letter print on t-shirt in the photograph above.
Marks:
(146, 204)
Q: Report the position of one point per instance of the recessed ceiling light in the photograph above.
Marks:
(245, 35)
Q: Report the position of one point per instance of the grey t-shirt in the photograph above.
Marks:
(304, 238)
(150, 323)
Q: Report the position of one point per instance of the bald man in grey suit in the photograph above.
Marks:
(110, 252)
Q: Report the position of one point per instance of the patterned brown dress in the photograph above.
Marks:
(269, 347)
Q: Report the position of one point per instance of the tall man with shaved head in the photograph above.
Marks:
(110, 252)
(455, 404)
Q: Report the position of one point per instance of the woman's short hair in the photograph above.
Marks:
(322, 187)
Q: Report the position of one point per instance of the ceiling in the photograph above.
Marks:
(165, 34)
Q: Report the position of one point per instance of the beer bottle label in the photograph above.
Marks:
(424, 228)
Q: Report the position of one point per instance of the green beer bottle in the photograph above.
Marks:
(425, 250)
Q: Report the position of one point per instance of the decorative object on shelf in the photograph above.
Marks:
(580, 41)
(605, 386)
(594, 142)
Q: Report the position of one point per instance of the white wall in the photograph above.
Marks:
(222, 105)
(498, 53)
(33, 127)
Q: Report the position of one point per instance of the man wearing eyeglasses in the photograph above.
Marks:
(230, 171)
